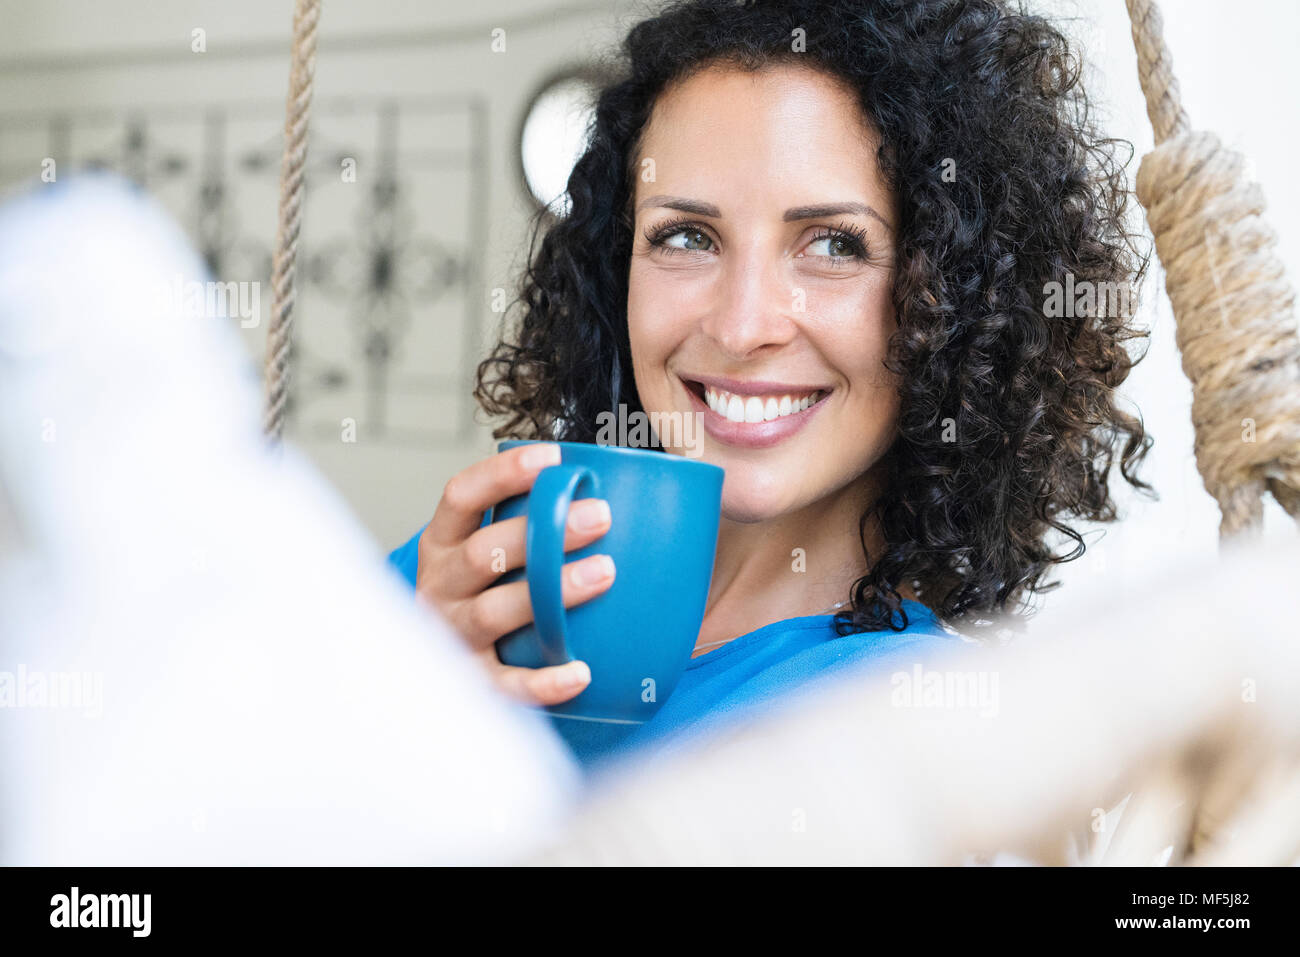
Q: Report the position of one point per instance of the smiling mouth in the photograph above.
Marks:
(767, 407)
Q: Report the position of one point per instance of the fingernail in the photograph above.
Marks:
(594, 570)
(538, 457)
(576, 674)
(589, 515)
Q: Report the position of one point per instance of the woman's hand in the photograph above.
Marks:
(458, 563)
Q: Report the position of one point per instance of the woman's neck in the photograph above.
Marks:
(798, 564)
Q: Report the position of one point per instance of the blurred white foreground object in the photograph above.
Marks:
(230, 672)
(1154, 722)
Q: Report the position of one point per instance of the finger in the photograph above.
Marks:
(543, 686)
(500, 547)
(502, 608)
(472, 491)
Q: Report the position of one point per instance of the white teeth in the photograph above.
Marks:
(757, 408)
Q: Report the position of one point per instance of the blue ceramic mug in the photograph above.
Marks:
(638, 636)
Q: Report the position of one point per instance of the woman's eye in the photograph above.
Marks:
(692, 239)
(838, 246)
(833, 246)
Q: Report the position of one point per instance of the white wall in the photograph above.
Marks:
(122, 56)
(1235, 64)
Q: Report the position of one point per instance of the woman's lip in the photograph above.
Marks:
(752, 435)
(753, 387)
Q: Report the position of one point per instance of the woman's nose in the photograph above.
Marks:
(756, 305)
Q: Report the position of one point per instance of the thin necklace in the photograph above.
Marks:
(714, 644)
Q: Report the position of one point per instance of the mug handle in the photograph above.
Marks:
(548, 515)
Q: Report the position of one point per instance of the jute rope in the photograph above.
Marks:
(279, 336)
(1232, 303)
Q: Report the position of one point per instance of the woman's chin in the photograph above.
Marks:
(748, 507)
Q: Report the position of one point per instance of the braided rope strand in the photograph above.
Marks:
(1233, 305)
(279, 336)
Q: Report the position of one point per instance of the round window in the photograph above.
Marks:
(555, 132)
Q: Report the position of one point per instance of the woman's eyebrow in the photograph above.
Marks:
(794, 214)
(696, 206)
(833, 209)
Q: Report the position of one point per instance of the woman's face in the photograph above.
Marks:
(760, 282)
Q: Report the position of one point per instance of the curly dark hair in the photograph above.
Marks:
(1008, 424)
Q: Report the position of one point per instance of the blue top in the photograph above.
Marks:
(747, 676)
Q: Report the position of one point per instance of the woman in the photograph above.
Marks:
(838, 231)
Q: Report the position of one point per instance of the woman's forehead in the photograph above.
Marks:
(727, 133)
(794, 100)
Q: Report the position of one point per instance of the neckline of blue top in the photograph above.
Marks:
(916, 614)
